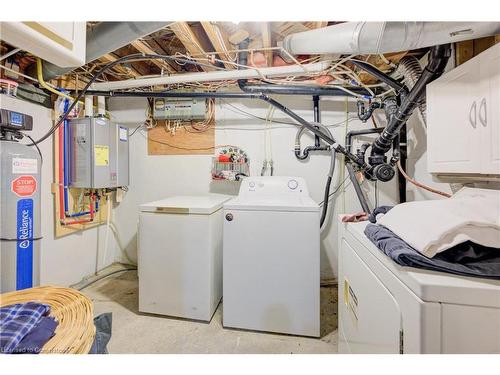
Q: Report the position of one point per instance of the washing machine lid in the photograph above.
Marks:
(273, 193)
(429, 286)
(187, 204)
(272, 203)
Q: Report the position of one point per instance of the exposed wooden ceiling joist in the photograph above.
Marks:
(188, 38)
(144, 48)
(267, 42)
(320, 24)
(109, 57)
(219, 40)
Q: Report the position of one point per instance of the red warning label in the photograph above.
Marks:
(24, 186)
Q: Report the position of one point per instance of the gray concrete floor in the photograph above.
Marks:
(135, 332)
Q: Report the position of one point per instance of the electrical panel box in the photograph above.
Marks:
(98, 153)
(186, 109)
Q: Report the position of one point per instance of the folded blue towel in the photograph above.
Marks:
(16, 321)
(466, 259)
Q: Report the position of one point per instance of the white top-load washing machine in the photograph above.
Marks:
(180, 256)
(387, 308)
(271, 278)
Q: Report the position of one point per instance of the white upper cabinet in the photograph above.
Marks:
(489, 110)
(61, 43)
(463, 118)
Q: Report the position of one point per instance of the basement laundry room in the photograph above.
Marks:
(240, 185)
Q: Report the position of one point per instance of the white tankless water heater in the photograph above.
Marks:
(19, 205)
(271, 257)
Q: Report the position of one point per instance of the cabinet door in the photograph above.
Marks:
(489, 110)
(453, 133)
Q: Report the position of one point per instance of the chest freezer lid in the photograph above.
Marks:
(432, 286)
(187, 204)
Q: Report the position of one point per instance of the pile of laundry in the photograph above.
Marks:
(25, 327)
(459, 235)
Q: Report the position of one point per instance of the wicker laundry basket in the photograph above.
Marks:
(76, 331)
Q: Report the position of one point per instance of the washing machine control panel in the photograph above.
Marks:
(267, 185)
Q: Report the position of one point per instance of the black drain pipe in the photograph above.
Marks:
(350, 169)
(255, 88)
(438, 59)
(316, 118)
(391, 82)
(262, 90)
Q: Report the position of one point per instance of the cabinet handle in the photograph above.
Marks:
(473, 119)
(482, 109)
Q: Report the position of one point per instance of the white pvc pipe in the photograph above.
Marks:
(288, 70)
(8, 54)
(384, 37)
(89, 106)
(101, 106)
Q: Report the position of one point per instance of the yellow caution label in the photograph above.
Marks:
(101, 155)
(351, 300)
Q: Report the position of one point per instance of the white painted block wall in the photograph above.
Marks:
(156, 177)
(67, 260)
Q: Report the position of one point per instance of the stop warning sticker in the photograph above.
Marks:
(24, 186)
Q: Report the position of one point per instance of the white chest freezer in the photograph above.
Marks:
(180, 256)
(387, 308)
(271, 257)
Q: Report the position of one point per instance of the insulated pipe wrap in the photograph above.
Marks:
(101, 105)
(89, 106)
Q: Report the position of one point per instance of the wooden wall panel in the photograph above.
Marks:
(186, 141)
(467, 49)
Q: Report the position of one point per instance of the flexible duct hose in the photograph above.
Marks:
(409, 67)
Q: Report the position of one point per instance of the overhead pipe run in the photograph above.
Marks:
(105, 38)
(256, 88)
(357, 38)
(220, 75)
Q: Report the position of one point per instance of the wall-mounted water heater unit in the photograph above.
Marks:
(20, 205)
(98, 153)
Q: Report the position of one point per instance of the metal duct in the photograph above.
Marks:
(106, 37)
(384, 37)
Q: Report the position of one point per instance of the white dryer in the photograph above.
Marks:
(271, 255)
(386, 308)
